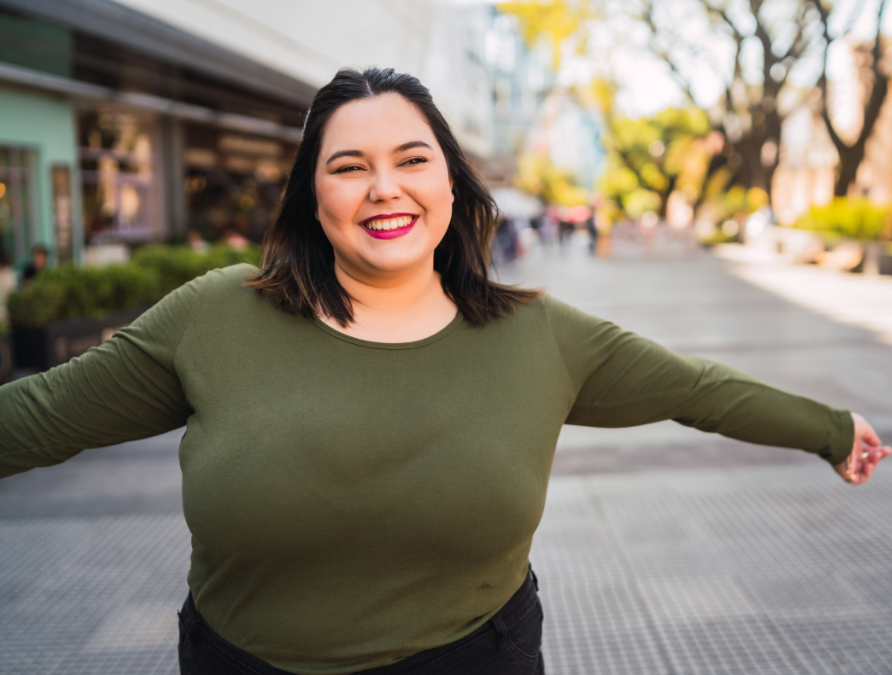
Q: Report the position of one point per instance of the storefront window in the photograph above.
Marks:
(16, 203)
(233, 181)
(118, 159)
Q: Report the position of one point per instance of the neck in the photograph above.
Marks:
(392, 294)
(395, 308)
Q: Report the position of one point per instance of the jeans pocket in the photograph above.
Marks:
(525, 637)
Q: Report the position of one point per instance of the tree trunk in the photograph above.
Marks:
(851, 156)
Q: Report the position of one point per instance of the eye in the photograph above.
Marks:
(349, 169)
(414, 160)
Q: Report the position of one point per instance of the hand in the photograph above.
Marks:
(866, 453)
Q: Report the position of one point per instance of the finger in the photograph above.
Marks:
(875, 456)
(868, 441)
(866, 434)
(878, 454)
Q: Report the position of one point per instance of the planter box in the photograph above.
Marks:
(60, 341)
(6, 358)
(876, 258)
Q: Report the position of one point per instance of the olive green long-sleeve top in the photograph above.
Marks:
(352, 503)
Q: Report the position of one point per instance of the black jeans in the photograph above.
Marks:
(507, 644)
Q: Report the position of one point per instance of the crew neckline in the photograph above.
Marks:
(439, 335)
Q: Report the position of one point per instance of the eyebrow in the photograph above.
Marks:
(358, 153)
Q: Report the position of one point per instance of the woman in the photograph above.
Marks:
(371, 421)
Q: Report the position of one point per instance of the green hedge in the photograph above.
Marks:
(69, 291)
(175, 265)
(850, 218)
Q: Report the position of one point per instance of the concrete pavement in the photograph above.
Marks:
(662, 550)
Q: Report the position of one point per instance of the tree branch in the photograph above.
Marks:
(850, 156)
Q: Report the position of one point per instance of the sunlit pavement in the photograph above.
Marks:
(662, 550)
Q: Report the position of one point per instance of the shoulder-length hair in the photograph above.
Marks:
(297, 269)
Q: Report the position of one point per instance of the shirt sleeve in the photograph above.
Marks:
(123, 390)
(625, 380)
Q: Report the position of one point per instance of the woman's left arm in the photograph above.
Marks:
(624, 380)
(867, 452)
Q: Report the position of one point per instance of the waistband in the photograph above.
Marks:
(514, 611)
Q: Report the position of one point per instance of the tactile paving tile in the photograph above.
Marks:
(742, 580)
(739, 580)
(841, 646)
(91, 595)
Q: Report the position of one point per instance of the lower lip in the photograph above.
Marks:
(391, 234)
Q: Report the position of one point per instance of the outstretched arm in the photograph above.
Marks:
(867, 452)
(127, 388)
(625, 380)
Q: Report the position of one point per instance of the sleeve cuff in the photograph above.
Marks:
(840, 448)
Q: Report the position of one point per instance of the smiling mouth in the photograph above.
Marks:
(389, 223)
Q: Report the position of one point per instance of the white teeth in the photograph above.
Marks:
(389, 223)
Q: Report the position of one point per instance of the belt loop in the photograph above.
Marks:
(189, 619)
(501, 631)
(535, 578)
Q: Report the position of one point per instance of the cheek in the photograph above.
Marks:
(337, 199)
(436, 197)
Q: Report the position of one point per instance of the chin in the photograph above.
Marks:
(395, 261)
(391, 266)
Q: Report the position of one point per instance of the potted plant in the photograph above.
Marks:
(68, 309)
(854, 223)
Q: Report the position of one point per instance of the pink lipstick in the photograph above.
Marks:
(390, 234)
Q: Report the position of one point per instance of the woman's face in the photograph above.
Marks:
(383, 189)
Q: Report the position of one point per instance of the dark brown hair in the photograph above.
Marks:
(298, 260)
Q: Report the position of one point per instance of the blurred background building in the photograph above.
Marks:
(130, 122)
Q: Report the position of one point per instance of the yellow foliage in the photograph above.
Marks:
(558, 21)
(640, 201)
(600, 94)
(756, 198)
(538, 176)
(717, 183)
(654, 155)
(654, 177)
(850, 217)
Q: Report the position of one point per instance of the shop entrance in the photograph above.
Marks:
(234, 181)
(17, 203)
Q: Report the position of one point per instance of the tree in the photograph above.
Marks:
(537, 175)
(650, 158)
(851, 156)
(750, 46)
(767, 38)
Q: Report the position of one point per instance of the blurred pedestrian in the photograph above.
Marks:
(593, 234)
(196, 241)
(39, 257)
(372, 420)
(507, 242)
(549, 228)
(566, 227)
(233, 239)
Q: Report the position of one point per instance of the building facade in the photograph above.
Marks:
(139, 121)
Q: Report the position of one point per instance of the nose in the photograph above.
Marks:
(385, 186)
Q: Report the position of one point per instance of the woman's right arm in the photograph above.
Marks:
(125, 389)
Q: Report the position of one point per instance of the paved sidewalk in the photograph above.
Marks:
(743, 571)
(662, 550)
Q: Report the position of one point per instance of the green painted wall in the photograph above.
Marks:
(46, 125)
